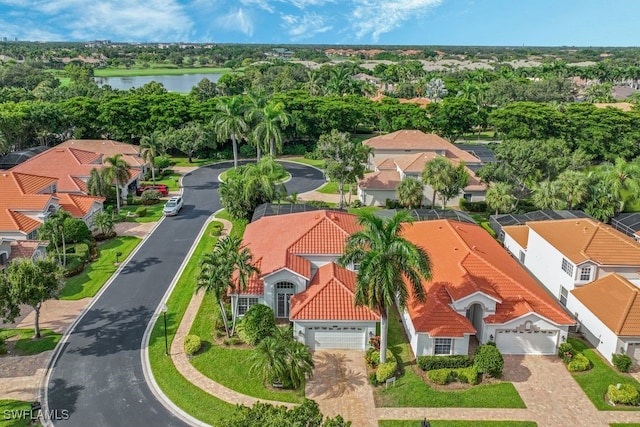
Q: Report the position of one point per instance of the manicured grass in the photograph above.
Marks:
(458, 423)
(238, 224)
(128, 72)
(184, 394)
(230, 366)
(331, 187)
(412, 391)
(170, 179)
(595, 381)
(311, 162)
(625, 425)
(11, 413)
(96, 274)
(279, 178)
(26, 345)
(184, 161)
(356, 211)
(154, 213)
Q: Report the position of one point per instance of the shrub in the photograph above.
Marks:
(356, 203)
(162, 162)
(488, 360)
(373, 379)
(622, 362)
(141, 212)
(579, 363)
(150, 197)
(372, 357)
(374, 342)
(627, 394)
(441, 376)
(257, 324)
(247, 151)
(473, 206)
(392, 204)
(566, 352)
(467, 375)
(427, 363)
(294, 150)
(318, 204)
(192, 344)
(3, 348)
(386, 370)
(75, 230)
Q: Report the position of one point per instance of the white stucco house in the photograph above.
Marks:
(592, 270)
(477, 290)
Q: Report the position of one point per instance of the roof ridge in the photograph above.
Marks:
(635, 291)
(14, 177)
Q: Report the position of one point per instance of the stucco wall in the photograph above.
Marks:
(599, 335)
(545, 262)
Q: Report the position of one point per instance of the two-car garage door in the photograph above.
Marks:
(510, 341)
(348, 338)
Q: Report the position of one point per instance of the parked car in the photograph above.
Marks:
(173, 206)
(163, 189)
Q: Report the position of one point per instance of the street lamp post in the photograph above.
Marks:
(166, 341)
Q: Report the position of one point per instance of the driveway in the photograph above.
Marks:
(340, 386)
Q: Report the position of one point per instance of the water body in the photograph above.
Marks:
(173, 83)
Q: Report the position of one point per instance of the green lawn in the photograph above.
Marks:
(11, 413)
(96, 274)
(311, 162)
(185, 395)
(412, 391)
(128, 72)
(625, 425)
(171, 180)
(595, 381)
(184, 161)
(331, 187)
(230, 366)
(238, 224)
(154, 213)
(27, 345)
(280, 178)
(356, 211)
(450, 423)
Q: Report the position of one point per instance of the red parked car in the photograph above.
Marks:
(163, 189)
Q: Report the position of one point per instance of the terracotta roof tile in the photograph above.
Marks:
(25, 248)
(519, 233)
(78, 205)
(386, 164)
(15, 221)
(16, 196)
(330, 296)
(108, 148)
(613, 300)
(384, 180)
(585, 239)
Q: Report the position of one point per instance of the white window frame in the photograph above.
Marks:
(439, 345)
(567, 267)
(521, 257)
(585, 273)
(564, 294)
(244, 303)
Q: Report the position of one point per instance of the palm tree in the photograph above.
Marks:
(151, 148)
(385, 259)
(230, 123)
(313, 83)
(215, 275)
(268, 359)
(546, 195)
(299, 363)
(434, 175)
(574, 186)
(500, 197)
(99, 182)
(270, 121)
(257, 101)
(601, 204)
(410, 193)
(622, 177)
(53, 230)
(118, 172)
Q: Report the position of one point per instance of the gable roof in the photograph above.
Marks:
(613, 300)
(19, 193)
(383, 180)
(108, 148)
(78, 205)
(418, 140)
(26, 248)
(585, 239)
(519, 233)
(467, 260)
(276, 241)
(330, 296)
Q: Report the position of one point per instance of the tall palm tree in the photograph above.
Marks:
(118, 172)
(299, 363)
(313, 83)
(410, 193)
(151, 148)
(574, 186)
(99, 182)
(53, 230)
(257, 101)
(385, 259)
(216, 271)
(500, 197)
(435, 175)
(622, 176)
(230, 123)
(546, 195)
(270, 121)
(268, 359)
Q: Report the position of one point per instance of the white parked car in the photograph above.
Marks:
(173, 206)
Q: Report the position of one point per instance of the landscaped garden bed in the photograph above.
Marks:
(21, 342)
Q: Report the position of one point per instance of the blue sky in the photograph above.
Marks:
(403, 22)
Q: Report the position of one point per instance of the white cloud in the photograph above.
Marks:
(377, 17)
(303, 4)
(236, 21)
(260, 4)
(305, 26)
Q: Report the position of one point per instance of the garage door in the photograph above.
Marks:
(349, 338)
(510, 341)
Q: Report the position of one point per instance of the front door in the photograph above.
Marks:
(283, 304)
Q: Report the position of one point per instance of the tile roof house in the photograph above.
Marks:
(593, 270)
(15, 249)
(477, 288)
(27, 200)
(108, 148)
(378, 186)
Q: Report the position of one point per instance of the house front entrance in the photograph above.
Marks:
(284, 291)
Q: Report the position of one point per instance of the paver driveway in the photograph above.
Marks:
(340, 386)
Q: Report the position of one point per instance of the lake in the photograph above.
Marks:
(173, 83)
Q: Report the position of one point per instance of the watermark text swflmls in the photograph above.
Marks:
(35, 413)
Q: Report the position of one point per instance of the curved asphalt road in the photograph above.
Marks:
(97, 376)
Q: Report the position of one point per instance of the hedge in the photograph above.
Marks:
(372, 357)
(192, 344)
(488, 360)
(257, 324)
(566, 352)
(446, 375)
(428, 363)
(386, 370)
(627, 394)
(473, 206)
(578, 363)
(622, 362)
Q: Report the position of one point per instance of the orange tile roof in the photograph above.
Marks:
(18, 192)
(383, 180)
(417, 140)
(466, 260)
(78, 205)
(25, 248)
(330, 296)
(275, 241)
(386, 164)
(414, 162)
(585, 239)
(103, 146)
(613, 300)
(519, 233)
